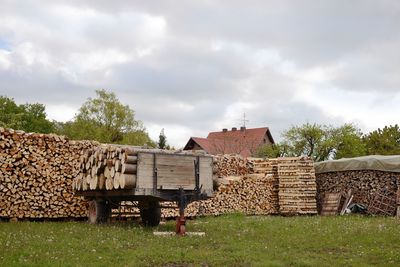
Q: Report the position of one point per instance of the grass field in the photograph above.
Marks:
(231, 240)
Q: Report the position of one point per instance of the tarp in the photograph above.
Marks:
(373, 162)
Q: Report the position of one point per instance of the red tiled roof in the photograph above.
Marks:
(203, 143)
(243, 142)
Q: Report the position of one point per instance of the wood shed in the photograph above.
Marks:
(373, 180)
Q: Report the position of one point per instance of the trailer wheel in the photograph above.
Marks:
(99, 211)
(150, 212)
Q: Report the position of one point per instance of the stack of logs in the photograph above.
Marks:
(275, 186)
(107, 167)
(398, 197)
(251, 195)
(365, 184)
(230, 165)
(270, 169)
(36, 173)
(297, 187)
(294, 184)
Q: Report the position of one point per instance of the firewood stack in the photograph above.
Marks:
(297, 187)
(365, 184)
(36, 173)
(251, 195)
(269, 167)
(230, 165)
(398, 197)
(274, 186)
(107, 167)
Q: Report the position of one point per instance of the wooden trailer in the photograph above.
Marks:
(159, 176)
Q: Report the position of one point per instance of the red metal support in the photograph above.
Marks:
(180, 225)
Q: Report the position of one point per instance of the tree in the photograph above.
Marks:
(162, 140)
(321, 142)
(106, 120)
(348, 142)
(26, 117)
(34, 119)
(137, 138)
(271, 151)
(384, 141)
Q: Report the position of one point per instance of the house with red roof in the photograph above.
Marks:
(241, 141)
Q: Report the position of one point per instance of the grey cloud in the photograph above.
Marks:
(208, 59)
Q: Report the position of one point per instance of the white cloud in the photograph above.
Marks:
(61, 112)
(177, 135)
(5, 59)
(198, 66)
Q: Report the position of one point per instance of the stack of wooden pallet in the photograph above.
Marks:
(297, 187)
(36, 173)
(107, 167)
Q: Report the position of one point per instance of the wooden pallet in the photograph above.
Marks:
(383, 204)
(330, 204)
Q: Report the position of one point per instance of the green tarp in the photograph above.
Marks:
(373, 162)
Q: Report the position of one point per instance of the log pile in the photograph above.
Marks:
(293, 183)
(270, 169)
(107, 167)
(297, 187)
(230, 165)
(365, 184)
(251, 195)
(398, 197)
(273, 186)
(36, 174)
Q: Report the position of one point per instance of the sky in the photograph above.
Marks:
(192, 67)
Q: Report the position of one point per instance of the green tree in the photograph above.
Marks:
(106, 120)
(8, 109)
(137, 138)
(26, 117)
(348, 142)
(34, 119)
(162, 140)
(384, 141)
(271, 151)
(321, 142)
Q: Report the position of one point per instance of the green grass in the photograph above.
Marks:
(231, 240)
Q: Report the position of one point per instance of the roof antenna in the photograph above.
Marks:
(244, 120)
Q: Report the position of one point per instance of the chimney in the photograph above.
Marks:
(224, 130)
(234, 129)
(242, 128)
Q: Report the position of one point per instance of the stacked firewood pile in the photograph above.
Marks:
(398, 197)
(365, 184)
(270, 169)
(230, 165)
(107, 167)
(36, 173)
(297, 187)
(294, 184)
(251, 195)
(274, 186)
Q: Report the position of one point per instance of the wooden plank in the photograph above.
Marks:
(175, 171)
(330, 204)
(144, 171)
(206, 181)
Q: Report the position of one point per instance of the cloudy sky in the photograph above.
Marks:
(196, 66)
